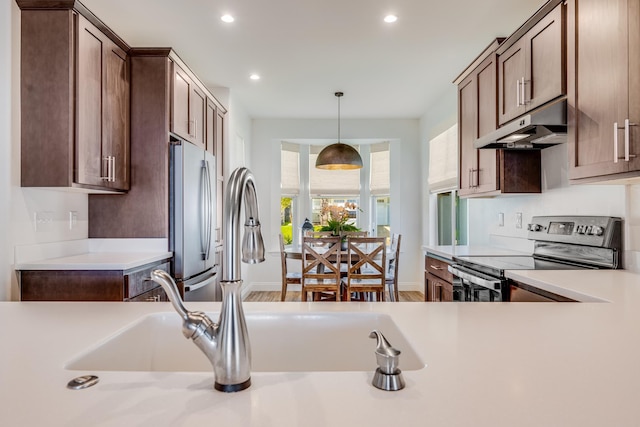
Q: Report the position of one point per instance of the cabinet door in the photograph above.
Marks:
(511, 78)
(467, 113)
(90, 164)
(181, 90)
(210, 129)
(115, 117)
(476, 117)
(197, 116)
(219, 142)
(546, 74)
(598, 101)
(486, 176)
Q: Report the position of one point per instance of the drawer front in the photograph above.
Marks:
(438, 268)
(154, 295)
(139, 282)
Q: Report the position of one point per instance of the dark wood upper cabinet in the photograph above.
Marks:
(604, 89)
(156, 97)
(188, 108)
(74, 102)
(477, 116)
(102, 147)
(488, 172)
(531, 69)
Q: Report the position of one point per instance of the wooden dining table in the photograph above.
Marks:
(295, 252)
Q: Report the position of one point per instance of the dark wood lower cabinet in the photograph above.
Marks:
(92, 285)
(438, 282)
(437, 290)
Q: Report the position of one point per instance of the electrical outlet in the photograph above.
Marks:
(518, 219)
(501, 219)
(43, 221)
(73, 219)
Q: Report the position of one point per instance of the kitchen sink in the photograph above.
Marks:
(280, 342)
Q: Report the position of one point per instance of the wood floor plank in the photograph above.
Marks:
(274, 296)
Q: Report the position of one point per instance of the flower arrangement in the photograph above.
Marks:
(338, 217)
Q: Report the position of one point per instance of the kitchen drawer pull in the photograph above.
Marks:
(435, 267)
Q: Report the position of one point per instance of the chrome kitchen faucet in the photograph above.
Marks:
(226, 343)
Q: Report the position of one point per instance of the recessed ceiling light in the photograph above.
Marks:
(227, 18)
(254, 77)
(390, 18)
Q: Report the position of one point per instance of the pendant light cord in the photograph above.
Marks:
(339, 95)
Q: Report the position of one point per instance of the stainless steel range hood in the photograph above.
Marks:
(539, 129)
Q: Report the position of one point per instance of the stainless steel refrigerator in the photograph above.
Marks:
(193, 218)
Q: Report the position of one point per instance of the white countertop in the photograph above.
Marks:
(488, 364)
(449, 251)
(96, 261)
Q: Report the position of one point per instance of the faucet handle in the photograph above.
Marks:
(163, 279)
(387, 376)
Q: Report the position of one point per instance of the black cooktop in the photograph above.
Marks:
(496, 265)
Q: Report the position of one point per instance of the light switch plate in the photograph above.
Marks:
(73, 219)
(518, 219)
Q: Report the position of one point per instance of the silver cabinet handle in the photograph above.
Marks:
(106, 168)
(627, 139)
(518, 93)
(615, 142)
(474, 183)
(435, 267)
(523, 95)
(110, 168)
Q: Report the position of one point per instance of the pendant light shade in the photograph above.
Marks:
(339, 156)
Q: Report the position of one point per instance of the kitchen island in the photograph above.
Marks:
(502, 364)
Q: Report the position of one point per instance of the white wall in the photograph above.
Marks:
(6, 136)
(406, 184)
(438, 118)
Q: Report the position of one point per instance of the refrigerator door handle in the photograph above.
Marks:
(204, 209)
(209, 201)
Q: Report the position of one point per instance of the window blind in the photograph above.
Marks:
(331, 182)
(290, 169)
(443, 161)
(379, 182)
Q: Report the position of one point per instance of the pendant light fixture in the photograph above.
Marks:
(339, 156)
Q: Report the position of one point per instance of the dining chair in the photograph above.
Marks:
(391, 278)
(366, 266)
(321, 266)
(288, 277)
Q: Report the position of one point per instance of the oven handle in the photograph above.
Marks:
(471, 276)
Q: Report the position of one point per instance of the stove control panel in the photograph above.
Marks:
(600, 231)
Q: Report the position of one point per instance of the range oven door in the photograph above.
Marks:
(473, 286)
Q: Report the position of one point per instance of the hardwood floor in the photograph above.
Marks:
(274, 296)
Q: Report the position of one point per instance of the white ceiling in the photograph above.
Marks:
(305, 50)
